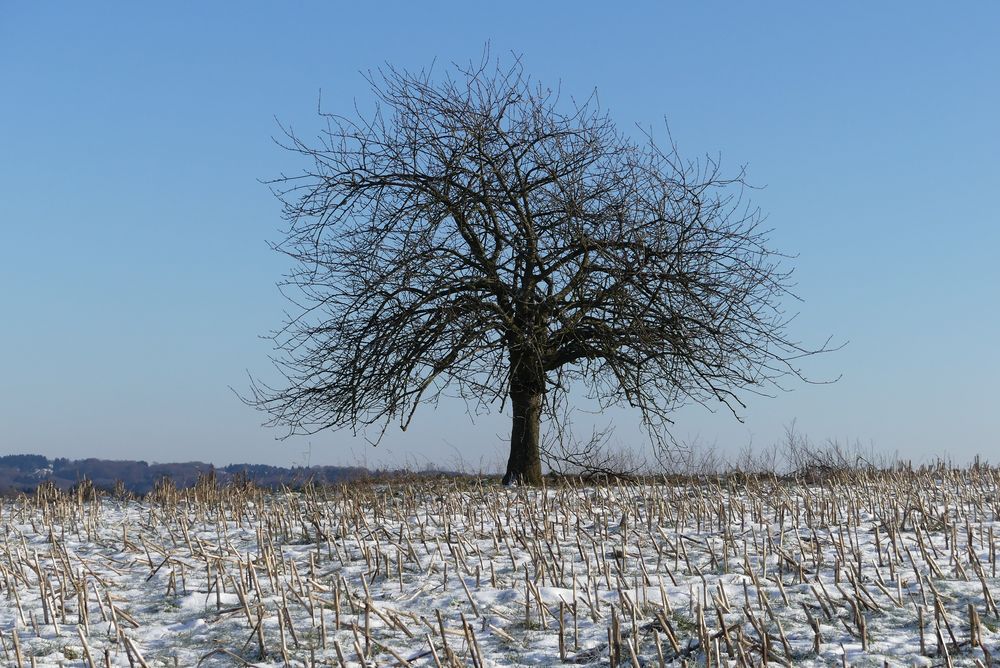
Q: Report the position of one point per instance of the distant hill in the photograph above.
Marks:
(23, 473)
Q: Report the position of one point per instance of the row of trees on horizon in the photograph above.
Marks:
(24, 472)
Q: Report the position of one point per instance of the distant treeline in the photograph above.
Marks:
(23, 473)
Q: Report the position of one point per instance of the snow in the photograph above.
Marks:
(224, 577)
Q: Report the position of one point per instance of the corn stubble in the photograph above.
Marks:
(870, 566)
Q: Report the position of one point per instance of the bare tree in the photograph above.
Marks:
(476, 236)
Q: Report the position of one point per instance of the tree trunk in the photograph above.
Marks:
(525, 463)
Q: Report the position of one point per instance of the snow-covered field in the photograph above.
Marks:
(868, 569)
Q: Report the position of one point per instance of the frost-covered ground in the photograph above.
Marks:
(869, 568)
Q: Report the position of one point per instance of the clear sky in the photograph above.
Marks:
(135, 276)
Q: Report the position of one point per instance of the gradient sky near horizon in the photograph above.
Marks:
(136, 278)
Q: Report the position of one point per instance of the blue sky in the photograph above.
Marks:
(135, 276)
